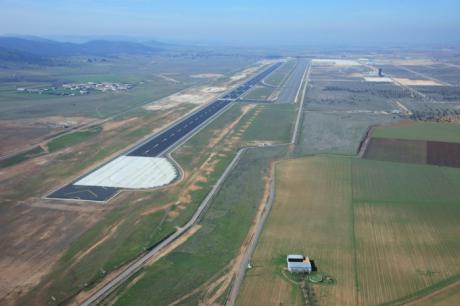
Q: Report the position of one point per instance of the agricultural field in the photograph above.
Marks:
(311, 215)
(416, 142)
(337, 133)
(385, 232)
(433, 131)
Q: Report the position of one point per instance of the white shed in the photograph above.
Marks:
(298, 263)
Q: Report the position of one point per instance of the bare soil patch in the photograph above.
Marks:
(112, 125)
(21, 133)
(412, 82)
(31, 241)
(207, 75)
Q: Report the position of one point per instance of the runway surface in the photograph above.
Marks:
(291, 86)
(161, 143)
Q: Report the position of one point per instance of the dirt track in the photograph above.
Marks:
(433, 294)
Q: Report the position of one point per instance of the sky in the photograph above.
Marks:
(238, 22)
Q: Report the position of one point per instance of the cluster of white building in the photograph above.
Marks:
(72, 89)
(105, 86)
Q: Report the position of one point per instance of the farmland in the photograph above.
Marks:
(421, 142)
(420, 131)
(382, 230)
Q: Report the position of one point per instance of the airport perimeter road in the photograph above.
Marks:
(290, 88)
(241, 272)
(235, 289)
(139, 263)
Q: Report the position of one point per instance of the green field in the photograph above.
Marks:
(336, 133)
(72, 139)
(279, 75)
(260, 93)
(18, 158)
(383, 231)
(274, 124)
(448, 132)
(206, 255)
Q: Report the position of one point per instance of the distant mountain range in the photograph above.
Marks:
(40, 50)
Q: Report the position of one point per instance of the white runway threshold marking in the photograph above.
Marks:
(133, 172)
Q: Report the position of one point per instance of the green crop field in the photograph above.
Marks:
(448, 132)
(72, 139)
(16, 159)
(261, 93)
(274, 123)
(311, 215)
(385, 232)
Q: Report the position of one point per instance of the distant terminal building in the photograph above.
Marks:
(298, 263)
(381, 74)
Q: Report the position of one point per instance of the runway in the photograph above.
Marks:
(291, 86)
(161, 143)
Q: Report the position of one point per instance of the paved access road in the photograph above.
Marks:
(290, 88)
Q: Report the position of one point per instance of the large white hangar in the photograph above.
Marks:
(134, 172)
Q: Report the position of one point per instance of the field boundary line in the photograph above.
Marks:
(239, 277)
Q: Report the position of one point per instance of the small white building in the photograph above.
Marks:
(298, 263)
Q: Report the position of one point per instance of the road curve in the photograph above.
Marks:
(134, 267)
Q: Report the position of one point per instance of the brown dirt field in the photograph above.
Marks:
(443, 154)
(411, 82)
(34, 232)
(397, 150)
(197, 95)
(414, 62)
(33, 238)
(414, 151)
(439, 294)
(111, 125)
(18, 134)
(156, 209)
(111, 231)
